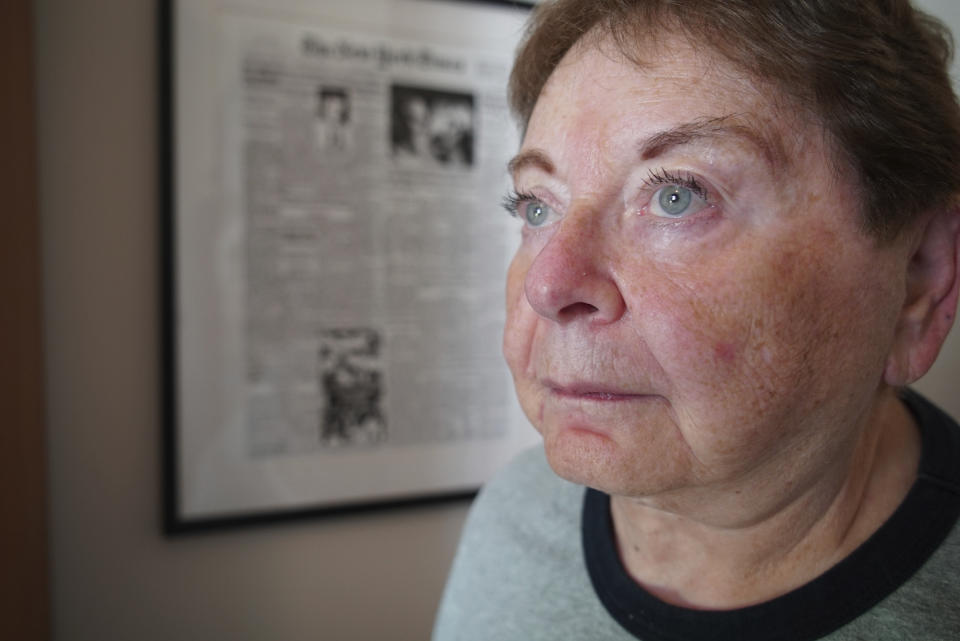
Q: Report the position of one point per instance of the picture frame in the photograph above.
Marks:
(332, 256)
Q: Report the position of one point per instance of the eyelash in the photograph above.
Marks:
(660, 177)
(512, 201)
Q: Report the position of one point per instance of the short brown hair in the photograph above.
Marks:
(874, 72)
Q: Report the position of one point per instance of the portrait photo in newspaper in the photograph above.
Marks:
(431, 127)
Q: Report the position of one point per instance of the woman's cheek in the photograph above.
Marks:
(727, 337)
(521, 320)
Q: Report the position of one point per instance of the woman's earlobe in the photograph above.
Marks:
(930, 305)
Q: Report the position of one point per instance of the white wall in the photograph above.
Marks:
(114, 577)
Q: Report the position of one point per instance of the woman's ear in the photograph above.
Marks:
(930, 305)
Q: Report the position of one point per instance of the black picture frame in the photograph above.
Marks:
(178, 212)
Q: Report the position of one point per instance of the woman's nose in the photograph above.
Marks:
(570, 280)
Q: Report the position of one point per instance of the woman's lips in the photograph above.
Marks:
(592, 392)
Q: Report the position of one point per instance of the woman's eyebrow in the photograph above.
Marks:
(719, 128)
(530, 157)
(722, 127)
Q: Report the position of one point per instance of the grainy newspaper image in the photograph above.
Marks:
(373, 248)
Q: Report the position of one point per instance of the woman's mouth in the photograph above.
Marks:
(588, 391)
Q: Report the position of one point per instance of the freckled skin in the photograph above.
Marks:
(757, 336)
(725, 377)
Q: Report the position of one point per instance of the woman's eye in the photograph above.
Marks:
(675, 201)
(528, 208)
(535, 212)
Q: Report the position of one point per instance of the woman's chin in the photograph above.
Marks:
(588, 456)
(585, 456)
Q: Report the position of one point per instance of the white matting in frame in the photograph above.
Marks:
(335, 255)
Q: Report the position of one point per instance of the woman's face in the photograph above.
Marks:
(693, 302)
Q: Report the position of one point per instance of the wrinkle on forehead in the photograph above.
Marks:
(657, 53)
(758, 117)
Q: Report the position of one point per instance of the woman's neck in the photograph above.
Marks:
(689, 561)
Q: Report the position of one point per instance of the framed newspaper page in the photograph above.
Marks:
(334, 254)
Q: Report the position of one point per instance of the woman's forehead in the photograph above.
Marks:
(676, 95)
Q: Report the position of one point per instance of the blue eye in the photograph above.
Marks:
(528, 208)
(676, 201)
(535, 213)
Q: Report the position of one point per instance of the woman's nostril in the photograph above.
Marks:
(576, 309)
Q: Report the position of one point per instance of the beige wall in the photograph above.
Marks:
(114, 577)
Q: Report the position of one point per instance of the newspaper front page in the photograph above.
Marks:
(363, 263)
(374, 248)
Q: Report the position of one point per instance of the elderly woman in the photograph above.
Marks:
(739, 245)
